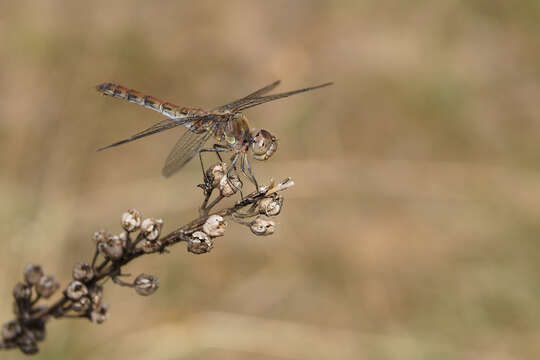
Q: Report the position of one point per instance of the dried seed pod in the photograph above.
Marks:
(150, 246)
(123, 238)
(10, 330)
(264, 145)
(271, 206)
(83, 272)
(229, 186)
(16, 309)
(131, 220)
(100, 314)
(95, 294)
(151, 228)
(261, 226)
(27, 344)
(32, 274)
(283, 185)
(76, 290)
(200, 243)
(112, 248)
(215, 173)
(214, 226)
(47, 286)
(22, 291)
(101, 236)
(82, 305)
(146, 284)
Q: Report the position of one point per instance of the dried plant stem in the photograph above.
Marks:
(82, 297)
(181, 234)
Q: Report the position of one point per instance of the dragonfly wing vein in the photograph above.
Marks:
(254, 94)
(160, 126)
(184, 150)
(166, 124)
(246, 103)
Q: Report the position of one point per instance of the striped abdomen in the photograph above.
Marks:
(168, 109)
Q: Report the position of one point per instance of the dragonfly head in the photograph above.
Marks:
(263, 145)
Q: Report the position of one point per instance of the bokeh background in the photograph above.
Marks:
(413, 231)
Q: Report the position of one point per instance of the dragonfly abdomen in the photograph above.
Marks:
(133, 96)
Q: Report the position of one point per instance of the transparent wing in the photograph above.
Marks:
(185, 149)
(258, 100)
(256, 93)
(163, 125)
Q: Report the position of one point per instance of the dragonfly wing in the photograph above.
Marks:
(185, 149)
(162, 125)
(256, 93)
(264, 90)
(254, 101)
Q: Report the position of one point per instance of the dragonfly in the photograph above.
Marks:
(227, 124)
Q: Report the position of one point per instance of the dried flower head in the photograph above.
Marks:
(150, 246)
(83, 272)
(131, 220)
(95, 294)
(215, 226)
(146, 284)
(151, 228)
(112, 248)
(123, 237)
(100, 314)
(283, 185)
(200, 243)
(22, 291)
(32, 274)
(76, 290)
(271, 206)
(47, 286)
(16, 309)
(215, 173)
(101, 236)
(27, 344)
(82, 305)
(10, 330)
(274, 188)
(261, 226)
(229, 186)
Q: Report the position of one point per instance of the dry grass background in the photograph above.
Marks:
(412, 232)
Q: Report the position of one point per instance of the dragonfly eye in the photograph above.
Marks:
(264, 145)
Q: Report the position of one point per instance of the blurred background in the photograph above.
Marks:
(412, 232)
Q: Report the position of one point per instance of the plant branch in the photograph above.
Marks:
(82, 297)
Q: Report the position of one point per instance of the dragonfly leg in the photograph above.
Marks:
(243, 167)
(214, 150)
(230, 169)
(239, 179)
(251, 176)
(219, 146)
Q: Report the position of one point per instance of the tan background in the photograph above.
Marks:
(412, 232)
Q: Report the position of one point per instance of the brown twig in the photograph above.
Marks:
(82, 298)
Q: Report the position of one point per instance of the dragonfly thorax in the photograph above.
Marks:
(234, 132)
